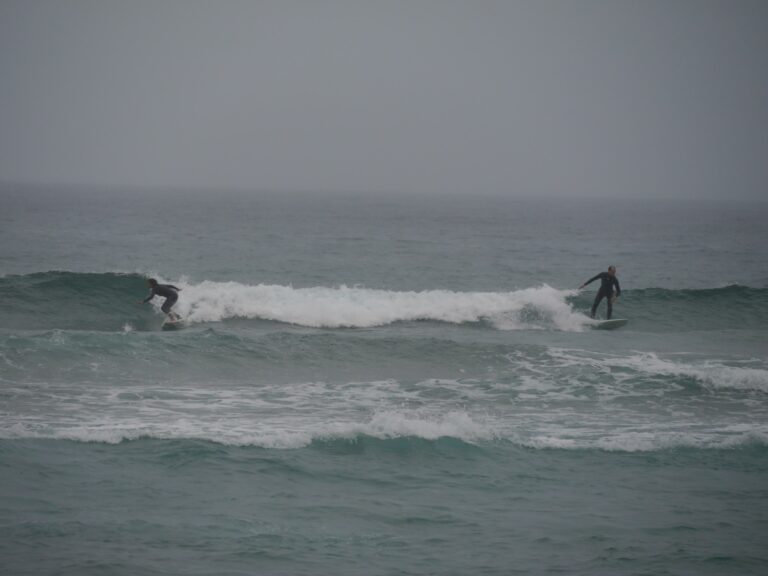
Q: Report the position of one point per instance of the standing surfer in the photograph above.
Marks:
(607, 281)
(167, 291)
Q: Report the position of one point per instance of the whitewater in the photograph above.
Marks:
(356, 307)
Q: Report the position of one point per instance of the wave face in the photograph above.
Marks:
(71, 301)
(729, 307)
(66, 300)
(108, 301)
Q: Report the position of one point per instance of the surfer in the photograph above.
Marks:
(167, 291)
(607, 281)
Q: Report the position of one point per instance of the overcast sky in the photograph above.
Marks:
(563, 98)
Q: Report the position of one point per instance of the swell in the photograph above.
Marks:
(213, 355)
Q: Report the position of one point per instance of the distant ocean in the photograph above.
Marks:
(384, 385)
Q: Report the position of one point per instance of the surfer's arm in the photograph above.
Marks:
(590, 281)
(148, 298)
(174, 287)
(618, 288)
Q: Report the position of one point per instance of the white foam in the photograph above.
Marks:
(649, 441)
(709, 373)
(387, 424)
(392, 425)
(398, 424)
(343, 306)
(633, 406)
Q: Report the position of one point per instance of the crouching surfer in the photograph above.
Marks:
(167, 291)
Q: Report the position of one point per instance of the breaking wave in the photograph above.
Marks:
(65, 300)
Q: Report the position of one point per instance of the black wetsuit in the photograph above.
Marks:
(607, 282)
(168, 292)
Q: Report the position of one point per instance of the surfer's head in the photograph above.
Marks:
(152, 282)
(612, 270)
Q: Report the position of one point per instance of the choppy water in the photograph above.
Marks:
(399, 386)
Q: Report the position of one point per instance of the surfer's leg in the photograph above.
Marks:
(167, 305)
(609, 299)
(598, 297)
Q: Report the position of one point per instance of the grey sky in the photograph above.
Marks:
(572, 98)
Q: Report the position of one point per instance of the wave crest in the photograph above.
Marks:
(354, 307)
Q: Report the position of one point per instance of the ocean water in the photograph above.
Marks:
(380, 385)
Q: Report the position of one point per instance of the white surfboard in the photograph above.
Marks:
(610, 324)
(170, 324)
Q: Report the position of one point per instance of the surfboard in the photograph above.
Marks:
(610, 324)
(169, 324)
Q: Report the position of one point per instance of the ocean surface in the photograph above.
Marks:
(384, 385)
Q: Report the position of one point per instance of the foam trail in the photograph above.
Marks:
(709, 373)
(352, 307)
(391, 425)
(388, 424)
